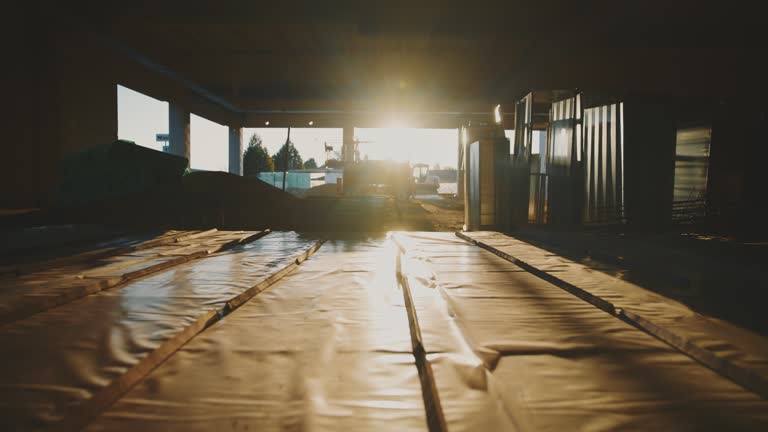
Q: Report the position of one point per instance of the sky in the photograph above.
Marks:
(431, 146)
(140, 117)
(309, 142)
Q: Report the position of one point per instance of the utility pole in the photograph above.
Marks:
(285, 157)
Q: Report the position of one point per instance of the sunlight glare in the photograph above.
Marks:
(404, 144)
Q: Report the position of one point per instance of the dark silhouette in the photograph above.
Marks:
(293, 157)
(256, 159)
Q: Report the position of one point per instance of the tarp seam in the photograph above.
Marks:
(101, 253)
(432, 405)
(488, 364)
(79, 416)
(102, 283)
(746, 378)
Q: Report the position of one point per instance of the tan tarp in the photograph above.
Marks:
(555, 362)
(55, 360)
(742, 347)
(26, 294)
(326, 348)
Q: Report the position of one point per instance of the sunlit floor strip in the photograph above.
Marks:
(327, 348)
(432, 405)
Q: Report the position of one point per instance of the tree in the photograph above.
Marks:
(294, 158)
(310, 164)
(256, 159)
(333, 163)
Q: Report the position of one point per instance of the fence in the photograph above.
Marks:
(292, 181)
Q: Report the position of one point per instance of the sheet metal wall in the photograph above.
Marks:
(520, 170)
(604, 163)
(691, 169)
(487, 177)
(538, 195)
(473, 188)
(487, 186)
(564, 162)
(542, 163)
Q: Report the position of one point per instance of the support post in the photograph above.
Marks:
(236, 150)
(178, 127)
(460, 167)
(348, 144)
(286, 155)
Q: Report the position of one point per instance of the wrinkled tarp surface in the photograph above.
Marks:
(740, 346)
(553, 361)
(328, 347)
(24, 245)
(26, 294)
(56, 359)
(325, 348)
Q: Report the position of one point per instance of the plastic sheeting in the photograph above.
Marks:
(97, 270)
(552, 361)
(325, 348)
(468, 398)
(742, 347)
(20, 247)
(328, 347)
(55, 360)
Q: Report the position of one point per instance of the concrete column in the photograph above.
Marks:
(236, 150)
(178, 127)
(460, 168)
(348, 144)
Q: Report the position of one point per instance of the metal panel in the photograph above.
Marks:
(604, 164)
(473, 195)
(562, 185)
(487, 184)
(691, 172)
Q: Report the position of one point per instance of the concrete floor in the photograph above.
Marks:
(380, 213)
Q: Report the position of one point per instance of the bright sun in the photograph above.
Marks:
(431, 146)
